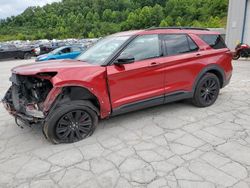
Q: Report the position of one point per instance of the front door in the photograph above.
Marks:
(64, 54)
(141, 83)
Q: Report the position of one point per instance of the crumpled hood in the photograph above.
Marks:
(50, 66)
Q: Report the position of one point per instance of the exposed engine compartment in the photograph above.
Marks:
(27, 94)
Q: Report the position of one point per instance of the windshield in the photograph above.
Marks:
(102, 50)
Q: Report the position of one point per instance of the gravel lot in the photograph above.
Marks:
(174, 145)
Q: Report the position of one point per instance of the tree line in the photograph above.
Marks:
(96, 18)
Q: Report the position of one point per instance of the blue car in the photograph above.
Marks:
(65, 52)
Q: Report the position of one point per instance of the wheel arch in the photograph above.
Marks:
(215, 69)
(77, 93)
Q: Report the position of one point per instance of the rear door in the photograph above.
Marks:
(182, 58)
(141, 82)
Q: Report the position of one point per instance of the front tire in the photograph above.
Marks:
(207, 90)
(71, 122)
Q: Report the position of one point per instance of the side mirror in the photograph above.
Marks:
(124, 59)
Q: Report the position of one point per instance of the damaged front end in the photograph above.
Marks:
(25, 98)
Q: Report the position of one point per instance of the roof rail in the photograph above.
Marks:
(181, 28)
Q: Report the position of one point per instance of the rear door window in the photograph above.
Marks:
(178, 44)
(214, 41)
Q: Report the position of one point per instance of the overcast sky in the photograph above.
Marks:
(15, 7)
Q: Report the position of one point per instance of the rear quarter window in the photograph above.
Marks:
(176, 44)
(214, 41)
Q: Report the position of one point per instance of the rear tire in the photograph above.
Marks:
(236, 56)
(71, 122)
(27, 56)
(207, 90)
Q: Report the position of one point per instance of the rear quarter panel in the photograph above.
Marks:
(183, 71)
(210, 57)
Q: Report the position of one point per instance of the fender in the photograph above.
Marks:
(99, 93)
(210, 68)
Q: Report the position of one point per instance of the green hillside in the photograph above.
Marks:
(95, 18)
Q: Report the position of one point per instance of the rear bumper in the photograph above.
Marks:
(227, 81)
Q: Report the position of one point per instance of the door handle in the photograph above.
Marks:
(198, 55)
(153, 64)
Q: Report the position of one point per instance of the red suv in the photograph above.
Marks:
(121, 73)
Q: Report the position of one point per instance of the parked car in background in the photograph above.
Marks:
(45, 49)
(11, 51)
(123, 72)
(66, 52)
(45, 46)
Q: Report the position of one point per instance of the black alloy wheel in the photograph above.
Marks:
(71, 122)
(207, 90)
(75, 125)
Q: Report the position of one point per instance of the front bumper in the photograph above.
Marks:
(28, 116)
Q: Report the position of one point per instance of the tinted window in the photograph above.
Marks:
(8, 47)
(215, 41)
(5, 48)
(65, 50)
(143, 47)
(178, 44)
